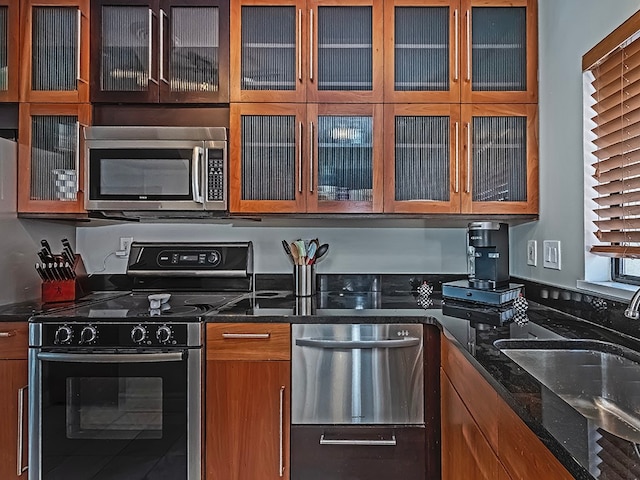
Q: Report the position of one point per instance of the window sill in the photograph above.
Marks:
(614, 290)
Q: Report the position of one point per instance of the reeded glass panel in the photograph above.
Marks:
(268, 157)
(125, 61)
(4, 57)
(194, 49)
(422, 158)
(345, 53)
(54, 49)
(268, 48)
(421, 48)
(345, 158)
(499, 159)
(53, 157)
(499, 41)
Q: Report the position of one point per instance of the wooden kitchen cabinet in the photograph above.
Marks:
(55, 51)
(482, 437)
(9, 50)
(319, 51)
(50, 157)
(13, 400)
(247, 383)
(160, 51)
(316, 158)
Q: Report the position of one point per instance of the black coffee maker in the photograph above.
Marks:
(488, 250)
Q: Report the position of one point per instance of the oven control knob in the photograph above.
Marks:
(163, 334)
(214, 257)
(88, 334)
(63, 335)
(138, 334)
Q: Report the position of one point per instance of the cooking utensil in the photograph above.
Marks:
(311, 253)
(46, 247)
(320, 252)
(294, 253)
(287, 250)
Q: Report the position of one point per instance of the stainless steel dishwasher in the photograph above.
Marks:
(358, 409)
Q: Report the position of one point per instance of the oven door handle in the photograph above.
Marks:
(353, 344)
(111, 357)
(339, 441)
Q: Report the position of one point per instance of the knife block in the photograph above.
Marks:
(67, 290)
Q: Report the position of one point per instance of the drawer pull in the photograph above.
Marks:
(246, 335)
(339, 441)
(8, 334)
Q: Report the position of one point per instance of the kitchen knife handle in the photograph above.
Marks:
(281, 420)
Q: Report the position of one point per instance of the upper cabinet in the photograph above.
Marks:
(9, 50)
(440, 51)
(322, 51)
(55, 55)
(150, 51)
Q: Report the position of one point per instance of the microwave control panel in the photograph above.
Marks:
(215, 175)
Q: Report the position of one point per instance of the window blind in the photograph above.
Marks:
(614, 102)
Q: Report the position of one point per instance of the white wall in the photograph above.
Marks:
(567, 30)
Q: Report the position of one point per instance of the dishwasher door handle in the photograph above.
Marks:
(363, 442)
(404, 342)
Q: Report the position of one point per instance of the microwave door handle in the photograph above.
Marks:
(355, 344)
(196, 177)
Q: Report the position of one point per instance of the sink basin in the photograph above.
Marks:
(600, 380)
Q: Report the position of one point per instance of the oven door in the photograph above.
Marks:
(139, 175)
(113, 416)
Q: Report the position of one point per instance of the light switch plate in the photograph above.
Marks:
(551, 254)
(532, 253)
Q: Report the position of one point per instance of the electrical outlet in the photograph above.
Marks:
(125, 246)
(552, 257)
(532, 253)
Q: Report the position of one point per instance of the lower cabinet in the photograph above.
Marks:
(247, 382)
(482, 437)
(13, 400)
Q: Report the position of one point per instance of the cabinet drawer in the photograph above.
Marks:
(248, 341)
(14, 341)
(480, 398)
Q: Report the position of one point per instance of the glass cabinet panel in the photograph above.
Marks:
(421, 49)
(54, 49)
(499, 159)
(4, 50)
(54, 157)
(422, 158)
(126, 48)
(268, 48)
(499, 45)
(345, 52)
(345, 158)
(194, 49)
(268, 157)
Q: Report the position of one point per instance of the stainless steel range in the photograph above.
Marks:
(115, 385)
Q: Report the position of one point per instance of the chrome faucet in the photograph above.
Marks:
(634, 306)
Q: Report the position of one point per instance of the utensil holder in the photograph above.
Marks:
(67, 290)
(304, 280)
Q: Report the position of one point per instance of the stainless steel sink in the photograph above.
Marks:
(600, 380)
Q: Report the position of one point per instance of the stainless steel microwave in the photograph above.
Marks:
(147, 169)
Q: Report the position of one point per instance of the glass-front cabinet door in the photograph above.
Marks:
(268, 172)
(499, 51)
(345, 51)
(50, 173)
(345, 162)
(269, 63)
(150, 51)
(500, 159)
(422, 159)
(9, 50)
(422, 51)
(55, 42)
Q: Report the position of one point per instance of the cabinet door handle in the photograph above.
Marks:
(79, 40)
(163, 15)
(281, 465)
(300, 158)
(455, 43)
(246, 335)
(299, 44)
(77, 156)
(468, 15)
(468, 187)
(311, 157)
(457, 156)
(20, 469)
(151, 15)
(12, 333)
(311, 44)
